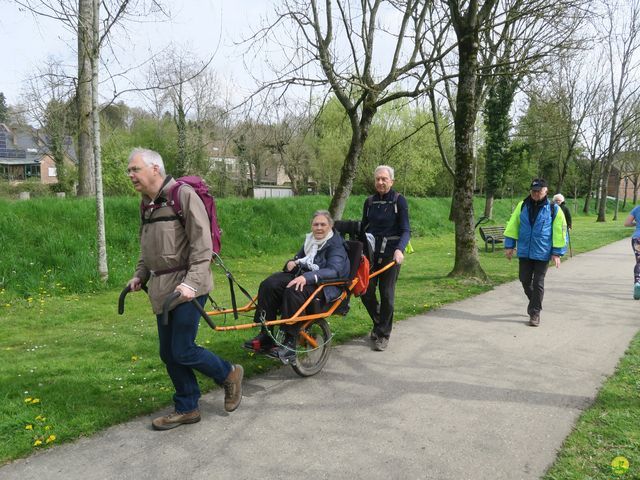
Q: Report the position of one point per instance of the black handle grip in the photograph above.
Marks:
(123, 294)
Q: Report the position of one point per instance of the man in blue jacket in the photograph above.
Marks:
(385, 218)
(538, 228)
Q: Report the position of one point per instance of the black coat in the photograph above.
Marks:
(333, 262)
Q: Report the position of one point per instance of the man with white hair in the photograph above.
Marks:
(558, 199)
(385, 217)
(176, 257)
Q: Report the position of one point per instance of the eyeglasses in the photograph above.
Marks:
(131, 170)
(319, 224)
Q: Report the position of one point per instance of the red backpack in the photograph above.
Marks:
(201, 188)
(363, 277)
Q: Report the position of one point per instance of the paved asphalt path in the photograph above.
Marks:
(467, 391)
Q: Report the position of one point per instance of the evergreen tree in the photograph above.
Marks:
(4, 109)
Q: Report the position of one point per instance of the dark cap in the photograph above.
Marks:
(538, 184)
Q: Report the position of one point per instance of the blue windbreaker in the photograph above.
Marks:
(540, 240)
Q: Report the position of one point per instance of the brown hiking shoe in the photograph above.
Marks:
(175, 419)
(380, 344)
(534, 319)
(233, 388)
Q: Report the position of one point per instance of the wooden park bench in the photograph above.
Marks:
(492, 235)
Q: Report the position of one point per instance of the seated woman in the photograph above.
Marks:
(323, 256)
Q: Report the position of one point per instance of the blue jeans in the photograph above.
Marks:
(181, 355)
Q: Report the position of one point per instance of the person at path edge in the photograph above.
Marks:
(385, 217)
(633, 220)
(537, 228)
(174, 258)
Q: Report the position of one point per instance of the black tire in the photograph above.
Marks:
(310, 360)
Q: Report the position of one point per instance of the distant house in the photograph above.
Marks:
(24, 155)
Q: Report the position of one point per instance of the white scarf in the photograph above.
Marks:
(311, 247)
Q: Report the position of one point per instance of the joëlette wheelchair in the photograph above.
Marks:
(314, 338)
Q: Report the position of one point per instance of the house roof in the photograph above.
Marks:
(27, 146)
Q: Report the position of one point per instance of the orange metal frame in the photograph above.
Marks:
(298, 316)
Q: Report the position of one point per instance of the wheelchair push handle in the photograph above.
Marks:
(169, 300)
(123, 294)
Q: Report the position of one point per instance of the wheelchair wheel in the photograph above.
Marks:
(309, 358)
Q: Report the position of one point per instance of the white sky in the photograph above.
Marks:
(200, 26)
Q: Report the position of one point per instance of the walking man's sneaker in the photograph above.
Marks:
(636, 291)
(233, 388)
(534, 319)
(380, 344)
(175, 419)
(372, 336)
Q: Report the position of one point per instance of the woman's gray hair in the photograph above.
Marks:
(149, 157)
(324, 213)
(384, 167)
(558, 197)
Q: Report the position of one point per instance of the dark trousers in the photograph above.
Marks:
(274, 297)
(532, 274)
(635, 244)
(381, 312)
(182, 356)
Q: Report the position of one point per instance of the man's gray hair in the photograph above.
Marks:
(149, 157)
(324, 213)
(384, 167)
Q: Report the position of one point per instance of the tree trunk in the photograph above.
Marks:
(86, 161)
(103, 269)
(488, 205)
(602, 201)
(467, 263)
(360, 132)
(181, 125)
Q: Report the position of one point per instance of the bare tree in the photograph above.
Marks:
(190, 90)
(490, 36)
(48, 97)
(366, 53)
(621, 29)
(84, 19)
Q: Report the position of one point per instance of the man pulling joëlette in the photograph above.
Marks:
(175, 256)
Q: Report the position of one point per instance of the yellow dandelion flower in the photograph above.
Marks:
(40, 418)
(37, 442)
(51, 438)
(134, 358)
(7, 305)
(34, 400)
(28, 427)
(47, 427)
(28, 400)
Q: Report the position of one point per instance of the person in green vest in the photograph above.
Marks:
(535, 233)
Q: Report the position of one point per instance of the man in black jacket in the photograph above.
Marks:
(385, 219)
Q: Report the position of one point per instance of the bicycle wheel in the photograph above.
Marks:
(311, 358)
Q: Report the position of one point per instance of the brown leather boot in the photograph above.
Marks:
(175, 419)
(233, 388)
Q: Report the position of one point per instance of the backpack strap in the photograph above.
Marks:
(371, 201)
(175, 203)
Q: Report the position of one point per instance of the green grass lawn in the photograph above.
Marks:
(72, 366)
